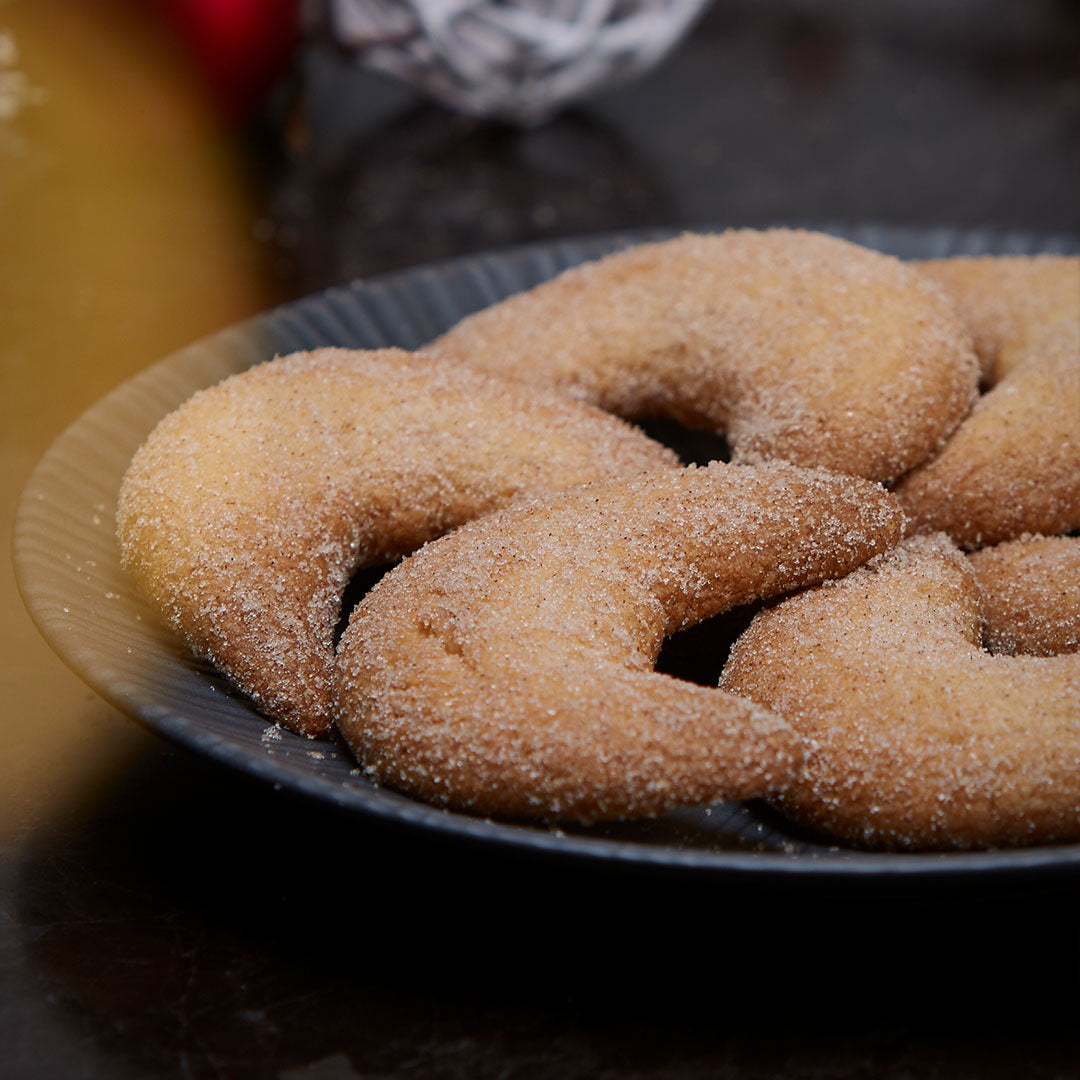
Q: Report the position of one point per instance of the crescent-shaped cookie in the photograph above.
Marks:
(797, 345)
(507, 668)
(914, 736)
(247, 510)
(1013, 466)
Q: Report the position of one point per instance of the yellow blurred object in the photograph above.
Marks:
(126, 230)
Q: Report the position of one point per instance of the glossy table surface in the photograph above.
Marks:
(163, 916)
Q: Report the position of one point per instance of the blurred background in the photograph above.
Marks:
(168, 167)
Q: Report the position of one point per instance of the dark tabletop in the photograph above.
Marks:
(163, 916)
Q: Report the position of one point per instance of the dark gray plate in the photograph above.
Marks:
(68, 570)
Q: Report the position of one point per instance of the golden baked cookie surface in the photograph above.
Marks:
(507, 668)
(248, 509)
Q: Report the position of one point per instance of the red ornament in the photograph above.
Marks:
(240, 46)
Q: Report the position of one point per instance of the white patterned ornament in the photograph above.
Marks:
(516, 60)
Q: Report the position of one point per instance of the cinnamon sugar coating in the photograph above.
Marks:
(914, 736)
(1012, 304)
(247, 510)
(1030, 595)
(797, 345)
(1013, 465)
(507, 668)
